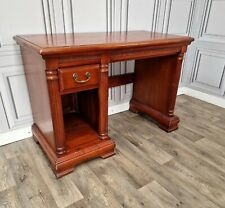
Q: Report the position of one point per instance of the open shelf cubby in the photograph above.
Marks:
(80, 120)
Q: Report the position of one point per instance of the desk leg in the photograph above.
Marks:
(103, 112)
(56, 110)
(155, 89)
(103, 102)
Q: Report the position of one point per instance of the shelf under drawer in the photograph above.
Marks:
(79, 133)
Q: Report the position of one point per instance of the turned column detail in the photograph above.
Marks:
(103, 100)
(56, 110)
(175, 83)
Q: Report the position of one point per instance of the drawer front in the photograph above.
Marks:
(79, 77)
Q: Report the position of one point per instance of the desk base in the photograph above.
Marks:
(65, 163)
(167, 123)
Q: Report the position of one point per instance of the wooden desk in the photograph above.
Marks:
(67, 77)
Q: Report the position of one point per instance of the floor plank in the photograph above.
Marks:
(161, 197)
(185, 168)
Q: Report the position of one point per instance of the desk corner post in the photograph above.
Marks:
(103, 99)
(56, 110)
(175, 83)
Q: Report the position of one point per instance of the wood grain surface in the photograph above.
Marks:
(97, 41)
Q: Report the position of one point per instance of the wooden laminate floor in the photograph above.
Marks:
(185, 168)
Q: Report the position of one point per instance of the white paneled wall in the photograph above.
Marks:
(203, 68)
(13, 89)
(208, 71)
(207, 63)
(16, 17)
(19, 17)
(4, 123)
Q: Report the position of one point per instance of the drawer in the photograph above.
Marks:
(79, 77)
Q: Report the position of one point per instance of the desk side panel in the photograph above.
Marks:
(155, 89)
(34, 67)
(153, 80)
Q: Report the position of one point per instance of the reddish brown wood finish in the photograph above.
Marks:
(103, 99)
(65, 44)
(56, 110)
(123, 79)
(156, 93)
(67, 83)
(38, 92)
(90, 109)
(71, 119)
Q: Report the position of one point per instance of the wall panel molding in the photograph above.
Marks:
(212, 28)
(4, 122)
(20, 17)
(209, 71)
(177, 16)
(118, 20)
(13, 87)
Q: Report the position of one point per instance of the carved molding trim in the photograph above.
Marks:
(104, 67)
(52, 75)
(4, 120)
(180, 57)
(203, 31)
(11, 106)
(198, 55)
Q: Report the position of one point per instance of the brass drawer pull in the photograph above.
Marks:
(87, 74)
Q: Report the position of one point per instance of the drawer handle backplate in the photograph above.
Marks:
(87, 74)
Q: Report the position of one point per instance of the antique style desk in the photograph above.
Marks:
(67, 77)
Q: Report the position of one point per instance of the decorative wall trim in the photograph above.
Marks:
(117, 17)
(213, 99)
(156, 13)
(167, 15)
(195, 71)
(13, 116)
(204, 25)
(118, 108)
(4, 121)
(15, 135)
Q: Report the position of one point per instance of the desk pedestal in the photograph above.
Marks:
(155, 89)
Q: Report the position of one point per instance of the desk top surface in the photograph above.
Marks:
(78, 42)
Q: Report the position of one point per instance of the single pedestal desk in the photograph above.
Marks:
(67, 78)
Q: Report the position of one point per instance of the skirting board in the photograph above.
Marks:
(118, 108)
(213, 99)
(19, 134)
(15, 135)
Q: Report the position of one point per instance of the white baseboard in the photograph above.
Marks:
(213, 99)
(181, 90)
(118, 108)
(19, 134)
(15, 135)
